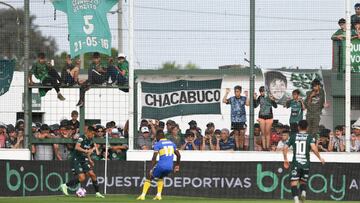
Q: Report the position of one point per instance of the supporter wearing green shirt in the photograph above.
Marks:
(339, 35)
(123, 66)
(297, 107)
(47, 75)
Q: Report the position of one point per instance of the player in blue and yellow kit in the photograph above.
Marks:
(166, 150)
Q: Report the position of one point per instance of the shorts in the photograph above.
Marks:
(80, 167)
(266, 120)
(237, 125)
(299, 174)
(158, 172)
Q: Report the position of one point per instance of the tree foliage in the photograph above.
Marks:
(172, 65)
(8, 37)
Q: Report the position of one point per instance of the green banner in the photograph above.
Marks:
(179, 98)
(281, 83)
(354, 58)
(7, 68)
(88, 25)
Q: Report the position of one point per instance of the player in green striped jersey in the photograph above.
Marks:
(302, 143)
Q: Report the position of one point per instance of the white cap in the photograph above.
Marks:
(356, 125)
(121, 55)
(145, 129)
(115, 131)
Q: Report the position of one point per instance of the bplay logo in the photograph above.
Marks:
(317, 183)
(29, 181)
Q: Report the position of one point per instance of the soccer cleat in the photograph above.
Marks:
(63, 189)
(98, 195)
(141, 197)
(296, 199)
(157, 197)
(303, 196)
(60, 97)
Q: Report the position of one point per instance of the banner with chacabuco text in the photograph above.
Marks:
(281, 83)
(241, 180)
(180, 97)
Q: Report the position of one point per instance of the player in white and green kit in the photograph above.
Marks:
(302, 143)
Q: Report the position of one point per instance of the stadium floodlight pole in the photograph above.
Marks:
(27, 93)
(348, 78)
(252, 76)
(131, 75)
(18, 29)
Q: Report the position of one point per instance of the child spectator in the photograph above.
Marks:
(175, 136)
(284, 139)
(339, 35)
(354, 144)
(297, 108)
(356, 16)
(323, 142)
(190, 141)
(265, 115)
(207, 141)
(337, 141)
(3, 136)
(47, 75)
(70, 72)
(15, 139)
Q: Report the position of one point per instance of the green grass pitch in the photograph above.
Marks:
(131, 198)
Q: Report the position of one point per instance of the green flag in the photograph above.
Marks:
(88, 26)
(6, 75)
(354, 56)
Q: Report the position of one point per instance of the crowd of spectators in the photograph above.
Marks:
(223, 139)
(111, 73)
(13, 137)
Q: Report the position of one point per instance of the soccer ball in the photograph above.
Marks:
(81, 192)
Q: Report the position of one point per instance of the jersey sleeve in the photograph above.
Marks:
(291, 141)
(60, 5)
(157, 147)
(80, 139)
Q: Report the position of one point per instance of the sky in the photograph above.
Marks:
(212, 33)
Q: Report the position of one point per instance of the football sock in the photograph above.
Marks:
(73, 182)
(294, 191)
(160, 185)
(96, 185)
(302, 187)
(146, 187)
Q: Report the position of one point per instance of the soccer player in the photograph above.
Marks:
(166, 150)
(82, 164)
(302, 143)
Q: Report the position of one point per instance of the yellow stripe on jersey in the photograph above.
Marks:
(167, 151)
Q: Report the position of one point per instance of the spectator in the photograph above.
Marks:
(190, 141)
(63, 151)
(193, 126)
(314, 103)
(169, 125)
(100, 131)
(15, 139)
(211, 127)
(3, 136)
(161, 126)
(70, 72)
(20, 125)
(123, 66)
(224, 142)
(265, 115)
(96, 75)
(238, 113)
(240, 138)
(284, 139)
(354, 144)
(276, 84)
(356, 16)
(117, 151)
(144, 141)
(339, 35)
(337, 141)
(112, 73)
(323, 142)
(297, 108)
(126, 129)
(176, 136)
(356, 129)
(207, 141)
(74, 119)
(47, 75)
(276, 134)
(43, 151)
